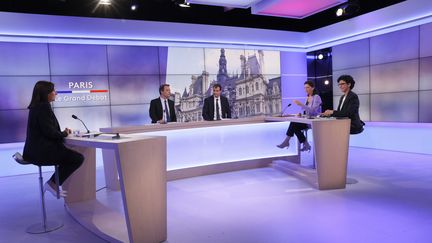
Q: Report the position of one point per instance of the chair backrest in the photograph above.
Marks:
(19, 159)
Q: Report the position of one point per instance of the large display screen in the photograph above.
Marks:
(250, 79)
(396, 79)
(113, 85)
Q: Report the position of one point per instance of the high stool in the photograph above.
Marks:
(305, 131)
(45, 226)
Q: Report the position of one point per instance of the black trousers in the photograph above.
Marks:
(68, 161)
(296, 128)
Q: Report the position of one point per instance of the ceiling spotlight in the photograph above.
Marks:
(320, 56)
(339, 12)
(326, 82)
(182, 3)
(104, 2)
(349, 8)
(134, 5)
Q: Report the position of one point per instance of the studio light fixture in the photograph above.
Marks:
(182, 3)
(339, 12)
(104, 2)
(134, 5)
(349, 8)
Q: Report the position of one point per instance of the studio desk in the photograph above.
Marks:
(137, 166)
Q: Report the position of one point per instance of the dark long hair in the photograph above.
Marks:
(310, 83)
(41, 91)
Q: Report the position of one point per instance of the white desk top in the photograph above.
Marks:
(298, 119)
(201, 124)
(105, 141)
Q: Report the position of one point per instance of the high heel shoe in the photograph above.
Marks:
(285, 143)
(306, 147)
(47, 187)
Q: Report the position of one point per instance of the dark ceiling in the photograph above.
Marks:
(168, 11)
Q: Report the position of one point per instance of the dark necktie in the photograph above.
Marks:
(217, 110)
(166, 112)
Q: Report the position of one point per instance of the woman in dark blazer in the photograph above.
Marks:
(44, 142)
(348, 104)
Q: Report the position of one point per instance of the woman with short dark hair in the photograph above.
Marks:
(44, 142)
(348, 104)
(311, 108)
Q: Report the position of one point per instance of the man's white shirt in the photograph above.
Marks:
(220, 107)
(164, 108)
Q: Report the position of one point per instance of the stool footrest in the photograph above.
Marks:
(39, 228)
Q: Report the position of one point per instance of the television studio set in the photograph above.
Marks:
(216, 121)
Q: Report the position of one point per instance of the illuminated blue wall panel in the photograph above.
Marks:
(351, 55)
(396, 107)
(426, 73)
(399, 73)
(293, 76)
(13, 125)
(425, 106)
(130, 115)
(364, 109)
(78, 59)
(396, 46)
(163, 60)
(293, 63)
(426, 40)
(133, 89)
(16, 91)
(24, 59)
(133, 60)
(395, 77)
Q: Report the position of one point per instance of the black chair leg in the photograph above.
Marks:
(57, 181)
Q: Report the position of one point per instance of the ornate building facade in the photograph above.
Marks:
(249, 94)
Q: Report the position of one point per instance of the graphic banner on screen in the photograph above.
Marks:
(81, 91)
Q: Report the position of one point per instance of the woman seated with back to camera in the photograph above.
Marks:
(311, 108)
(44, 142)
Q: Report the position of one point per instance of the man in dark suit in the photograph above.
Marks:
(216, 106)
(162, 108)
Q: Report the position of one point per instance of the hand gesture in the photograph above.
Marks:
(297, 102)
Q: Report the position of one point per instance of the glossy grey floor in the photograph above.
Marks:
(392, 202)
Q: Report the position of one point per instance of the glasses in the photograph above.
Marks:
(341, 84)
